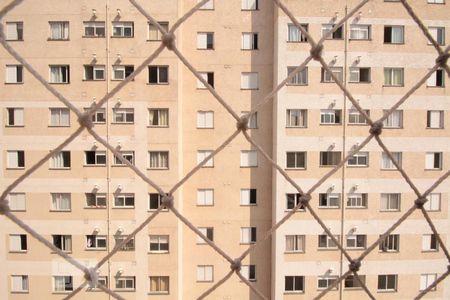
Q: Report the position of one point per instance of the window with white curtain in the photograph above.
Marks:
(59, 117)
(19, 283)
(201, 155)
(127, 155)
(159, 243)
(435, 119)
(63, 242)
(436, 1)
(208, 77)
(394, 119)
(329, 200)
(14, 31)
(394, 34)
(159, 284)
(205, 273)
(426, 280)
(387, 163)
(355, 117)
(158, 117)
(433, 203)
(248, 272)
(94, 72)
(300, 78)
(295, 35)
(393, 76)
(153, 31)
(59, 30)
(360, 32)
(330, 158)
(248, 197)
(159, 159)
(62, 283)
(123, 115)
(61, 201)
(14, 116)
(249, 41)
(430, 242)
(438, 34)
(14, 74)
(296, 117)
(208, 232)
(433, 160)
(60, 160)
(249, 158)
(205, 197)
(391, 243)
(436, 79)
(295, 243)
(17, 201)
(60, 74)
(390, 202)
(249, 4)
(15, 159)
(205, 40)
(336, 35)
(249, 81)
(330, 116)
(18, 242)
(205, 119)
(248, 235)
(209, 5)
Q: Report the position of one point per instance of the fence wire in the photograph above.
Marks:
(168, 41)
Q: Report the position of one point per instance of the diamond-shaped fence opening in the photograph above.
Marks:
(168, 41)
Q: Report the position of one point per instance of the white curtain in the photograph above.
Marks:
(293, 33)
(397, 35)
(249, 4)
(207, 5)
(13, 159)
(57, 161)
(59, 31)
(15, 242)
(163, 117)
(56, 74)
(11, 31)
(247, 41)
(201, 40)
(11, 74)
(17, 201)
(59, 283)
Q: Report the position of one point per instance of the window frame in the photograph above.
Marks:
(57, 202)
(208, 232)
(18, 71)
(390, 199)
(435, 122)
(354, 161)
(123, 25)
(356, 198)
(249, 161)
(251, 200)
(159, 69)
(252, 77)
(248, 272)
(325, 242)
(160, 242)
(151, 202)
(436, 32)
(360, 241)
(128, 155)
(65, 241)
(360, 28)
(301, 38)
(389, 41)
(391, 244)
(431, 205)
(204, 269)
(159, 286)
(94, 238)
(99, 116)
(336, 70)
(125, 200)
(123, 115)
(387, 287)
(98, 154)
(127, 70)
(18, 31)
(97, 197)
(354, 282)
(11, 117)
(63, 31)
(64, 72)
(205, 40)
(208, 77)
(425, 282)
(295, 289)
(95, 69)
(330, 116)
(15, 199)
(202, 155)
(125, 279)
(338, 34)
(95, 25)
(22, 240)
(205, 119)
(355, 115)
(248, 235)
(388, 164)
(19, 159)
(247, 7)
(300, 78)
(296, 121)
(24, 282)
(328, 280)
(330, 156)
(154, 29)
(298, 243)
(358, 71)
(63, 113)
(437, 161)
(431, 242)
(329, 198)
(251, 39)
(205, 197)
(128, 247)
(209, 5)
(298, 165)
(160, 121)
(63, 157)
(389, 75)
(67, 282)
(162, 160)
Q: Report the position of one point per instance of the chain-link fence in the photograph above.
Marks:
(168, 41)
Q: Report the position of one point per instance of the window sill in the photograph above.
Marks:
(248, 167)
(360, 82)
(121, 37)
(157, 83)
(94, 207)
(388, 251)
(327, 166)
(391, 210)
(432, 128)
(440, 169)
(58, 40)
(288, 127)
(295, 169)
(56, 169)
(15, 40)
(358, 167)
(249, 89)
(428, 251)
(93, 80)
(158, 169)
(294, 252)
(297, 42)
(384, 85)
(153, 40)
(357, 124)
(354, 40)
(13, 83)
(327, 249)
(60, 210)
(95, 249)
(293, 84)
(355, 249)
(250, 243)
(158, 252)
(93, 37)
(250, 204)
(123, 207)
(66, 252)
(249, 49)
(205, 127)
(18, 251)
(209, 49)
(61, 292)
(15, 168)
(330, 124)
(58, 126)
(122, 123)
(356, 207)
(124, 290)
(18, 210)
(158, 293)
(162, 210)
(205, 205)
(298, 210)
(19, 292)
(14, 126)
(58, 83)
(386, 291)
(392, 169)
(328, 207)
(94, 165)
(293, 292)
(156, 126)
(120, 166)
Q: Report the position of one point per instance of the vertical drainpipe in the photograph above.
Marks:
(344, 121)
(108, 166)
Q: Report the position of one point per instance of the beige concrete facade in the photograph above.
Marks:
(165, 121)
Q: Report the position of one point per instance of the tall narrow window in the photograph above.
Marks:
(430, 242)
(59, 30)
(14, 74)
(295, 35)
(436, 79)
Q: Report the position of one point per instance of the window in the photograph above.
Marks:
(355, 117)
(154, 201)
(326, 242)
(433, 160)
(336, 35)
(123, 115)
(357, 241)
(208, 77)
(125, 283)
(433, 203)
(94, 72)
(390, 244)
(249, 272)
(249, 158)
(352, 282)
(205, 119)
(324, 282)
(158, 117)
(205, 40)
(60, 160)
(249, 41)
(14, 31)
(14, 116)
(205, 197)
(127, 155)
(124, 200)
(436, 1)
(394, 120)
(387, 282)
(328, 200)
(16, 159)
(61, 201)
(101, 280)
(430, 242)
(427, 280)
(248, 197)
(294, 284)
(62, 283)
(393, 76)
(292, 200)
(249, 4)
(18, 242)
(295, 243)
(202, 155)
(14, 74)
(17, 201)
(248, 235)
(249, 81)
(159, 243)
(159, 284)
(300, 78)
(296, 160)
(63, 242)
(295, 35)
(122, 29)
(129, 246)
(96, 242)
(59, 117)
(95, 200)
(60, 74)
(337, 71)
(360, 32)
(209, 5)
(159, 159)
(205, 273)
(121, 72)
(394, 34)
(357, 200)
(252, 119)
(208, 232)
(436, 79)
(330, 116)
(438, 34)
(360, 159)
(153, 32)
(59, 30)
(19, 283)
(158, 74)
(94, 29)
(390, 202)
(361, 75)
(95, 158)
(296, 117)
(99, 116)
(330, 158)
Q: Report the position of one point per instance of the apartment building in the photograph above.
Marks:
(165, 122)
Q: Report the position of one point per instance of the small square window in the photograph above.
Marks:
(249, 81)
(202, 155)
(61, 201)
(205, 119)
(17, 201)
(436, 79)
(120, 72)
(330, 158)
(360, 32)
(293, 200)
(430, 242)
(249, 41)
(208, 77)
(158, 74)
(205, 273)
(62, 284)
(159, 244)
(326, 76)
(387, 282)
(99, 116)
(60, 160)
(159, 159)
(336, 35)
(295, 243)
(433, 161)
(394, 119)
(438, 34)
(94, 72)
(248, 235)
(205, 197)
(393, 77)
(155, 202)
(94, 29)
(159, 284)
(249, 4)
(18, 242)
(426, 280)
(15, 116)
(14, 74)
(433, 203)
(60, 74)
(248, 197)
(153, 31)
(296, 117)
(59, 117)
(294, 284)
(123, 29)
(123, 115)
(208, 232)
(158, 117)
(205, 40)
(360, 159)
(394, 34)
(14, 31)
(249, 158)
(300, 78)
(295, 35)
(15, 159)
(124, 200)
(248, 272)
(390, 244)
(19, 283)
(59, 31)
(390, 202)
